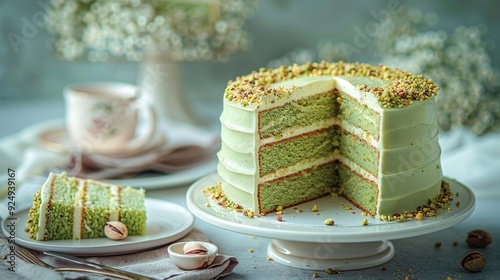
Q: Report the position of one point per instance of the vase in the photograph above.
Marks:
(161, 83)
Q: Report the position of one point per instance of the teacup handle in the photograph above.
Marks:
(141, 140)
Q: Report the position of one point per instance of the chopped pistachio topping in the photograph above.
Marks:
(401, 90)
(441, 201)
(216, 194)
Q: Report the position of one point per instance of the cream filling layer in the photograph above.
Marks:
(114, 203)
(78, 209)
(45, 199)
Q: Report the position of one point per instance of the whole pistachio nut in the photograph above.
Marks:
(194, 248)
(115, 230)
(479, 238)
(474, 262)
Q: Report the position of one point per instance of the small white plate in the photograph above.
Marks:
(165, 223)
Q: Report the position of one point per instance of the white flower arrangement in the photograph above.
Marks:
(458, 62)
(99, 30)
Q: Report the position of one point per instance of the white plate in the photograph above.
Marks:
(52, 135)
(307, 226)
(166, 222)
(151, 181)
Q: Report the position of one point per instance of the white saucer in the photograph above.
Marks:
(52, 136)
(303, 241)
(166, 222)
(56, 139)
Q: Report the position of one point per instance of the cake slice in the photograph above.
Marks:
(73, 208)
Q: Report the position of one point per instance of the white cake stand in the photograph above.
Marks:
(301, 239)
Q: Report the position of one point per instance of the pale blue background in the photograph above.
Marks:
(278, 27)
(32, 76)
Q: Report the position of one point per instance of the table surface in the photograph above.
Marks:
(415, 258)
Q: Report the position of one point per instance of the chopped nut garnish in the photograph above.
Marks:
(364, 222)
(329, 222)
(250, 251)
(437, 245)
(347, 207)
(400, 90)
(419, 216)
(314, 208)
(279, 208)
(315, 275)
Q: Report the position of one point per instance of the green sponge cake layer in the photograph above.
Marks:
(73, 208)
(291, 151)
(297, 114)
(133, 211)
(297, 188)
(294, 133)
(359, 151)
(61, 206)
(358, 190)
(359, 115)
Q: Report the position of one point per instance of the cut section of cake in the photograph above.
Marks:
(73, 208)
(293, 134)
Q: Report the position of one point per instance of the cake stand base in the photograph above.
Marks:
(320, 256)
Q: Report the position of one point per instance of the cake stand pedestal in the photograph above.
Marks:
(320, 256)
(301, 239)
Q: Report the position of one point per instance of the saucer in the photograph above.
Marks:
(56, 139)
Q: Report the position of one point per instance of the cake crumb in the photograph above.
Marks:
(279, 218)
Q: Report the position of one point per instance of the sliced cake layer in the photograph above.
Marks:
(73, 208)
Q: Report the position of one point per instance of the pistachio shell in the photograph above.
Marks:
(473, 262)
(194, 248)
(479, 238)
(115, 230)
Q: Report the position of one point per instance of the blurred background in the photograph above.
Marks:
(280, 31)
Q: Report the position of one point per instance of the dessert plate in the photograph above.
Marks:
(166, 222)
(302, 240)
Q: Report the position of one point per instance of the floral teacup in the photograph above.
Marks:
(103, 118)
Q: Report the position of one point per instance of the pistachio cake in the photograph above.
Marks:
(296, 133)
(73, 208)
